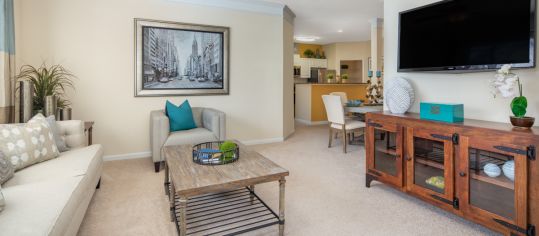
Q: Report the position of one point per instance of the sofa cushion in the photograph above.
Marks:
(72, 163)
(181, 117)
(28, 144)
(192, 136)
(50, 198)
(33, 209)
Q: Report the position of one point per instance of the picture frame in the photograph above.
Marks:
(180, 59)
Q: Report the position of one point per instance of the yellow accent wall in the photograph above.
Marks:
(318, 111)
(301, 47)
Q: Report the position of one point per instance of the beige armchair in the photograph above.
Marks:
(210, 127)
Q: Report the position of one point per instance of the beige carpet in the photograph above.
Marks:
(325, 195)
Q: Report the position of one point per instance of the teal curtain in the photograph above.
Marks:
(7, 27)
(7, 62)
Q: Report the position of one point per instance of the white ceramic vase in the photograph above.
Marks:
(399, 95)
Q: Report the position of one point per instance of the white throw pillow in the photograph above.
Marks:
(28, 144)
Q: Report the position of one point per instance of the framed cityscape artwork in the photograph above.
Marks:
(178, 59)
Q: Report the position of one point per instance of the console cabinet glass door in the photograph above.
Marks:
(429, 162)
(384, 145)
(493, 177)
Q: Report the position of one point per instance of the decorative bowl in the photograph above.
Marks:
(522, 122)
(492, 170)
(509, 170)
(354, 103)
(216, 153)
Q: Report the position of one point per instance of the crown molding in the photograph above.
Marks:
(288, 14)
(257, 6)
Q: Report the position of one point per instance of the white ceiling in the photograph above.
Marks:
(319, 18)
(324, 18)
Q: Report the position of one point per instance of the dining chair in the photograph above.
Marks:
(338, 122)
(344, 97)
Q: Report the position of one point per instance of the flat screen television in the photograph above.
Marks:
(467, 35)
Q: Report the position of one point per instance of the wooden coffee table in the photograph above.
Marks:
(200, 193)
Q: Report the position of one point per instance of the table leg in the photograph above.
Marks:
(252, 189)
(167, 180)
(183, 214)
(171, 201)
(282, 182)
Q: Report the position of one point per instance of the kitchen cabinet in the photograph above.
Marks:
(307, 63)
(486, 172)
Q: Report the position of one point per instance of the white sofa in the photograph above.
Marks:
(51, 197)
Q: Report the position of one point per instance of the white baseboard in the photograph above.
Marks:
(263, 141)
(127, 156)
(138, 155)
(308, 122)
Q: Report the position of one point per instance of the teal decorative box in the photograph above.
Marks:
(451, 113)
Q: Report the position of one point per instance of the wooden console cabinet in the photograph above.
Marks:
(443, 164)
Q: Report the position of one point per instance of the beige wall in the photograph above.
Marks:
(471, 89)
(94, 39)
(336, 52)
(331, 55)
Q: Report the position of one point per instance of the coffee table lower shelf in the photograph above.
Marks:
(227, 213)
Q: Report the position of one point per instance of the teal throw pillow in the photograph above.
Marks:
(180, 117)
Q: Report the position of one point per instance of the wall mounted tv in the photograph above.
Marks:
(467, 35)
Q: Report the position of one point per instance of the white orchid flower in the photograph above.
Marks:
(504, 83)
(505, 69)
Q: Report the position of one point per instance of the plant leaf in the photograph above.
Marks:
(519, 105)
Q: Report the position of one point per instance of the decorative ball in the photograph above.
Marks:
(492, 170)
(509, 170)
(399, 95)
(227, 147)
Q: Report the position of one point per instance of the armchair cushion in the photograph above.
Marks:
(181, 117)
(192, 136)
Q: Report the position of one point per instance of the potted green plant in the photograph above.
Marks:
(308, 53)
(47, 81)
(330, 77)
(344, 78)
(508, 85)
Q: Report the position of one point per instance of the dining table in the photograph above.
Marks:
(359, 114)
(363, 109)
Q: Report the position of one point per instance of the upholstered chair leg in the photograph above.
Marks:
(330, 136)
(344, 139)
(157, 166)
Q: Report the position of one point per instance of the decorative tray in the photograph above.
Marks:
(216, 153)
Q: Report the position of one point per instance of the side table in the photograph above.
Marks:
(88, 127)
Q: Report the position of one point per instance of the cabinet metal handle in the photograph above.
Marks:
(462, 174)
